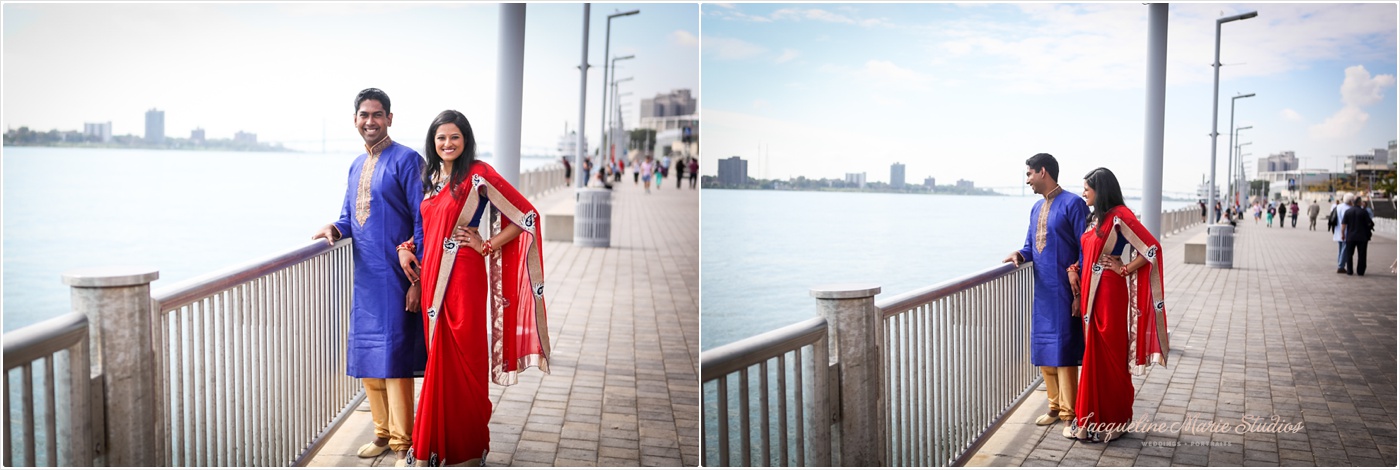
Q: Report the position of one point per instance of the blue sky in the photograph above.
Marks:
(970, 91)
(282, 69)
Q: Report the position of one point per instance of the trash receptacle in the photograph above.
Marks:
(1220, 246)
(593, 218)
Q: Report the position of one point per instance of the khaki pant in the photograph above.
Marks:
(1061, 384)
(391, 405)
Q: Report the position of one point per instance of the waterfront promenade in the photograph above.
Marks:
(624, 321)
(1280, 334)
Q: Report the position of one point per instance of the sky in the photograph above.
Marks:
(970, 91)
(289, 72)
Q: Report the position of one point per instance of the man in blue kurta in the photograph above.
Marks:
(1052, 243)
(379, 213)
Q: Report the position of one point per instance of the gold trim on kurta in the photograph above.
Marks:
(362, 192)
(1042, 226)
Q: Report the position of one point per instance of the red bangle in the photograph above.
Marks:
(408, 245)
(486, 248)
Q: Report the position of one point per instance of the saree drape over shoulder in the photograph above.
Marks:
(454, 406)
(1125, 321)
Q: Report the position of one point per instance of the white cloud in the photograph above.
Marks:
(817, 14)
(1359, 90)
(884, 70)
(760, 104)
(723, 48)
(788, 54)
(684, 38)
(1291, 115)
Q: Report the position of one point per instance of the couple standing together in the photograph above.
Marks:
(403, 322)
(1091, 307)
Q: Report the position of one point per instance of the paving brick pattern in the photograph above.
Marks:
(1282, 335)
(623, 389)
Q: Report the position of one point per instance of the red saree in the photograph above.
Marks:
(1125, 323)
(454, 407)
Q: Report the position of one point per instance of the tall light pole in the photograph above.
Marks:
(607, 102)
(607, 44)
(1230, 162)
(1234, 152)
(579, 149)
(1215, 113)
(611, 124)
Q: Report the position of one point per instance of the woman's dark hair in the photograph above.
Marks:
(1107, 193)
(372, 94)
(462, 165)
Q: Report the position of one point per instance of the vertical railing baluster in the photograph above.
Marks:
(766, 429)
(797, 407)
(745, 444)
(50, 414)
(725, 460)
(783, 413)
(26, 398)
(821, 404)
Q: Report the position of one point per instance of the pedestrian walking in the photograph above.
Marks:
(694, 171)
(1356, 230)
(1313, 209)
(1270, 211)
(1337, 235)
(680, 171)
(1293, 212)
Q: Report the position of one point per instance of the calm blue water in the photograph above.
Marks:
(762, 251)
(186, 213)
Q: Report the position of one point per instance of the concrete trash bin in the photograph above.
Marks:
(1220, 246)
(593, 218)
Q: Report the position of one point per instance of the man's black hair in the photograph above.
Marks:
(372, 94)
(1037, 162)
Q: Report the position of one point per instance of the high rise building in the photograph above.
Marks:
(101, 130)
(897, 175)
(155, 126)
(1282, 161)
(965, 184)
(245, 138)
(856, 179)
(197, 135)
(673, 110)
(733, 171)
(1390, 153)
(929, 182)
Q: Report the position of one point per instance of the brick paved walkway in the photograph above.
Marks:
(625, 325)
(1280, 334)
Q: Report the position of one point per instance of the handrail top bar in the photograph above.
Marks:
(110, 276)
(41, 339)
(722, 360)
(196, 288)
(845, 290)
(914, 298)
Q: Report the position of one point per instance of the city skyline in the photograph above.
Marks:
(288, 71)
(972, 90)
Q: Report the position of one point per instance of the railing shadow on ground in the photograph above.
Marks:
(241, 367)
(918, 379)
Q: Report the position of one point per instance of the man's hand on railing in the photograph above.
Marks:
(1014, 257)
(329, 233)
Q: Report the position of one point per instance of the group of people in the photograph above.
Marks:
(423, 244)
(1096, 319)
(1351, 223)
(654, 171)
(1268, 209)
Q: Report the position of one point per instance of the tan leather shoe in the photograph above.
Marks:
(1047, 419)
(369, 451)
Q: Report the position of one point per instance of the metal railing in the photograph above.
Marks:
(542, 180)
(957, 358)
(66, 437)
(1180, 219)
(790, 426)
(252, 360)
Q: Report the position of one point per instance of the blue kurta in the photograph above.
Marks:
(385, 341)
(1057, 337)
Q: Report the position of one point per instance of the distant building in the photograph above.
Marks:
(245, 138)
(197, 135)
(155, 126)
(733, 171)
(929, 183)
(897, 175)
(856, 179)
(1390, 153)
(673, 110)
(101, 130)
(1363, 161)
(965, 184)
(1282, 161)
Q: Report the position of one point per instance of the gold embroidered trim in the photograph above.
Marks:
(1042, 225)
(362, 192)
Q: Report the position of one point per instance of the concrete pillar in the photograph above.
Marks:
(510, 79)
(117, 302)
(580, 150)
(854, 326)
(1156, 118)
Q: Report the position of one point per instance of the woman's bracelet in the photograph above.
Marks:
(407, 246)
(486, 248)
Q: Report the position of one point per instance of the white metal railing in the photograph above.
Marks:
(1180, 219)
(251, 361)
(786, 417)
(957, 358)
(542, 180)
(65, 438)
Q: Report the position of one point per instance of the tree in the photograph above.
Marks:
(641, 138)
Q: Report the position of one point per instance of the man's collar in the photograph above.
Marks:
(1050, 196)
(377, 147)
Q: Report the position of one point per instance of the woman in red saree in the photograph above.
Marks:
(1125, 322)
(468, 258)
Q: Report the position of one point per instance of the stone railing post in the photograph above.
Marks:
(117, 302)
(854, 332)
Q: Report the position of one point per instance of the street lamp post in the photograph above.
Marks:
(1235, 178)
(607, 44)
(1231, 160)
(1215, 112)
(607, 112)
